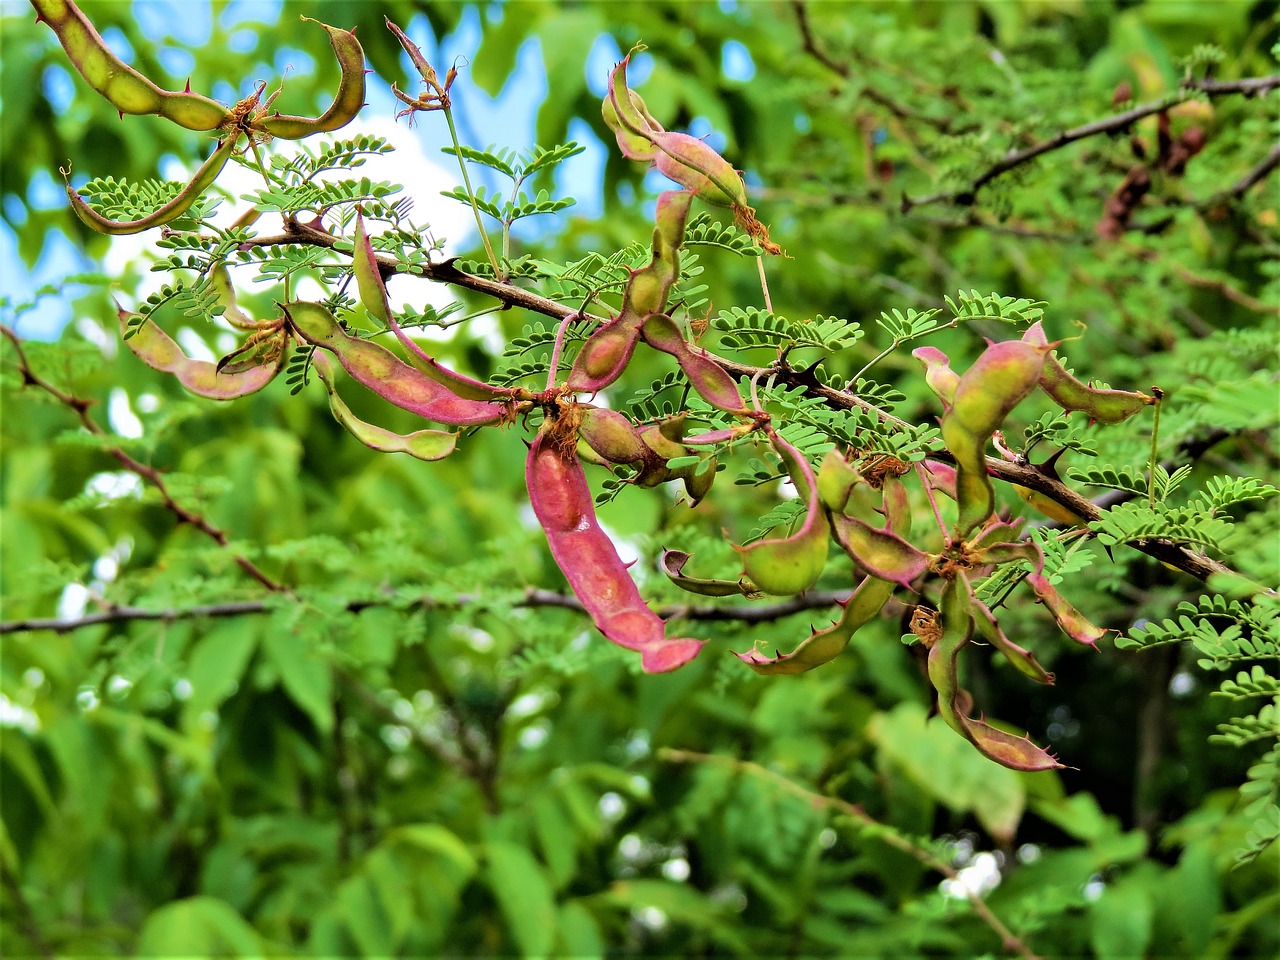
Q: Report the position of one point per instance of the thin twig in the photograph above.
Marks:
(533, 598)
(1008, 939)
(80, 407)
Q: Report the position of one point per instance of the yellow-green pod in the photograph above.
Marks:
(157, 350)
(122, 86)
(175, 208)
(422, 444)
(346, 104)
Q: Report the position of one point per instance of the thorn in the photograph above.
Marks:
(187, 88)
(121, 112)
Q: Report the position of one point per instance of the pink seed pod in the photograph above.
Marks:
(955, 704)
(1023, 660)
(613, 436)
(707, 377)
(880, 553)
(373, 294)
(562, 502)
(386, 374)
(939, 376)
(1072, 622)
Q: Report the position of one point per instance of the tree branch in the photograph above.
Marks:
(533, 598)
(1251, 86)
(887, 835)
(80, 407)
(1176, 555)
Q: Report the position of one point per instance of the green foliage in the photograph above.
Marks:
(419, 745)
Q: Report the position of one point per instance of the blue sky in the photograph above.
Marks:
(506, 120)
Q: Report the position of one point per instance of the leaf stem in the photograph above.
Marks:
(471, 195)
(1155, 443)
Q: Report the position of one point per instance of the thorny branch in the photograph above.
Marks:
(1251, 86)
(80, 407)
(1197, 565)
(851, 811)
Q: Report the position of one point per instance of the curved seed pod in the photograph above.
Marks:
(880, 553)
(823, 646)
(625, 114)
(386, 374)
(955, 704)
(999, 532)
(672, 563)
(157, 349)
(1023, 661)
(421, 444)
(942, 380)
(836, 481)
(175, 208)
(713, 437)
(706, 376)
(1048, 507)
(562, 503)
(221, 282)
(265, 348)
(1069, 619)
(1105, 406)
(373, 294)
(605, 354)
(698, 478)
(998, 553)
(996, 383)
(897, 506)
(126, 89)
(346, 103)
(790, 565)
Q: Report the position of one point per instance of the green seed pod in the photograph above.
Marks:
(823, 646)
(613, 437)
(421, 444)
(1105, 406)
(156, 349)
(955, 704)
(625, 114)
(672, 563)
(175, 208)
(836, 480)
(346, 103)
(122, 86)
(1023, 661)
(996, 383)
(1069, 619)
(880, 553)
(221, 282)
(788, 566)
(942, 380)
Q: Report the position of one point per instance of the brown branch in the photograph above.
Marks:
(1251, 86)
(533, 598)
(1249, 180)
(80, 407)
(852, 811)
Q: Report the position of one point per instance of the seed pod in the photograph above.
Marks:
(421, 444)
(996, 383)
(175, 208)
(880, 553)
(672, 563)
(940, 477)
(562, 503)
(1105, 406)
(373, 294)
(221, 283)
(836, 480)
(156, 349)
(1069, 619)
(942, 380)
(788, 566)
(613, 436)
(705, 375)
(346, 103)
(955, 703)
(823, 646)
(386, 375)
(1021, 659)
(126, 89)
(625, 114)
